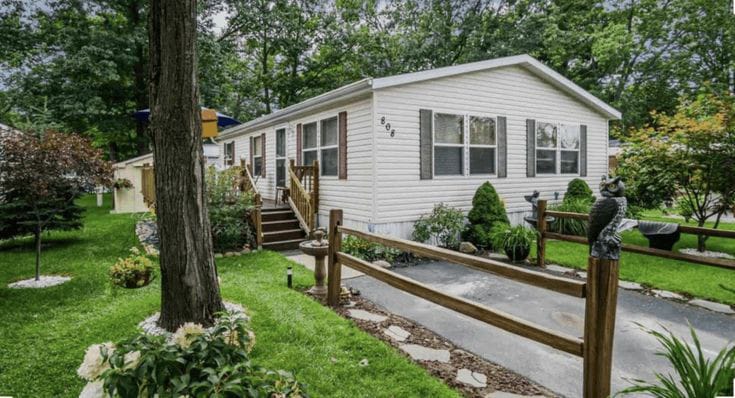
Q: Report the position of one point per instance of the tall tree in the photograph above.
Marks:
(189, 287)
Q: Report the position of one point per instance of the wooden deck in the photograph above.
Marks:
(271, 204)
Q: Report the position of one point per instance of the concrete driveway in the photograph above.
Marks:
(633, 351)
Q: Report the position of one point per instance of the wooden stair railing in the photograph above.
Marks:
(303, 195)
(247, 184)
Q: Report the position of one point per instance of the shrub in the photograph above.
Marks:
(368, 251)
(194, 362)
(444, 224)
(696, 375)
(487, 210)
(570, 226)
(229, 209)
(579, 190)
(134, 271)
(515, 241)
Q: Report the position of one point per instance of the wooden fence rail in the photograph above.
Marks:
(600, 293)
(545, 235)
(304, 193)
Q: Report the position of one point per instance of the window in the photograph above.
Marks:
(281, 157)
(257, 155)
(557, 144)
(448, 144)
(482, 145)
(328, 146)
(229, 154)
(309, 144)
(569, 149)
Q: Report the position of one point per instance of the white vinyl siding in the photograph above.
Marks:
(512, 92)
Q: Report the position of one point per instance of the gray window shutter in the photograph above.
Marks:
(583, 151)
(426, 143)
(252, 165)
(502, 147)
(530, 148)
(262, 155)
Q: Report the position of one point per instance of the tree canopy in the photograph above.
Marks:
(83, 64)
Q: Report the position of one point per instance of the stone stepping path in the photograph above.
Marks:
(397, 333)
(366, 316)
(421, 353)
(712, 306)
(471, 378)
(501, 394)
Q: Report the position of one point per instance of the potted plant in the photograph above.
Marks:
(122, 183)
(515, 241)
(132, 272)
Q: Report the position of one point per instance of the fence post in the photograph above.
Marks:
(599, 326)
(541, 227)
(334, 272)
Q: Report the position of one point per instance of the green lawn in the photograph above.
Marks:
(44, 332)
(697, 280)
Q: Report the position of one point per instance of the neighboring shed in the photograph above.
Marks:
(389, 149)
(131, 200)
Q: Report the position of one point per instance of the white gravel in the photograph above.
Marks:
(44, 281)
(706, 253)
(150, 324)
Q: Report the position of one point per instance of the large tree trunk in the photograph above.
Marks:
(189, 288)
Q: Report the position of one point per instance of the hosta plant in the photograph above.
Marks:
(696, 375)
(192, 362)
(368, 251)
(133, 271)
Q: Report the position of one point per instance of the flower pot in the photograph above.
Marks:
(518, 253)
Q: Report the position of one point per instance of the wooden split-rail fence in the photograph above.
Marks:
(599, 291)
(545, 235)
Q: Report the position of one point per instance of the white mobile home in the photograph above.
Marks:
(390, 148)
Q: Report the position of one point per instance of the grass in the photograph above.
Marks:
(697, 280)
(45, 331)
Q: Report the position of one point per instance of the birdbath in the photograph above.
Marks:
(319, 249)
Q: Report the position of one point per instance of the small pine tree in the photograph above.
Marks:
(487, 210)
(578, 190)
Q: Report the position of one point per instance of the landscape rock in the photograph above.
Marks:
(382, 263)
(467, 247)
(557, 268)
(582, 274)
(630, 285)
(366, 316)
(712, 306)
(43, 281)
(421, 353)
(471, 378)
(668, 295)
(230, 254)
(218, 255)
(364, 362)
(150, 324)
(397, 333)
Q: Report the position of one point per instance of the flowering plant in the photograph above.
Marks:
(133, 271)
(122, 183)
(193, 362)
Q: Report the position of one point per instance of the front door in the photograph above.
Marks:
(281, 157)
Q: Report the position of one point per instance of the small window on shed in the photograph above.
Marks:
(448, 144)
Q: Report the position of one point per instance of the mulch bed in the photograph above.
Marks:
(498, 377)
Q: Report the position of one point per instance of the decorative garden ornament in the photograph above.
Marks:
(605, 217)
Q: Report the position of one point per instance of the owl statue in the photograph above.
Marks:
(605, 217)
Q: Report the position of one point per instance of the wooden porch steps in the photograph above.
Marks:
(281, 229)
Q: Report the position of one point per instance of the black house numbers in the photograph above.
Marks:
(384, 123)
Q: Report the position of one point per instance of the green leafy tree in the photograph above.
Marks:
(689, 154)
(487, 210)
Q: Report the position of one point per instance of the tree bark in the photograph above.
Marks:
(189, 287)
